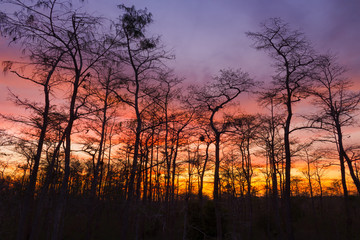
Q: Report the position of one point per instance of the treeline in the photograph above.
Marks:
(113, 124)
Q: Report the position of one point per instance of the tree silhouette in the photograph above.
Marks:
(293, 60)
(338, 104)
(212, 98)
(117, 145)
(141, 57)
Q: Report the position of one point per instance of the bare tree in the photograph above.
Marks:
(165, 95)
(310, 158)
(293, 57)
(102, 106)
(102, 103)
(44, 59)
(270, 138)
(337, 104)
(71, 35)
(141, 57)
(212, 98)
(246, 129)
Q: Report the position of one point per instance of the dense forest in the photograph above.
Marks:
(114, 145)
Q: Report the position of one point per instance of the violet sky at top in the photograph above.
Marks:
(208, 35)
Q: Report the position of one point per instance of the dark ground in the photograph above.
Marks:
(192, 220)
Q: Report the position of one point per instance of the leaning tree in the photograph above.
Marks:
(337, 104)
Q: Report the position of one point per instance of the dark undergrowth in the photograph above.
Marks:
(192, 219)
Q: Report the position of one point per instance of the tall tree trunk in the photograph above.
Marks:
(137, 138)
(216, 187)
(348, 161)
(287, 192)
(248, 195)
(343, 180)
(61, 203)
(28, 203)
(43, 199)
(145, 191)
(274, 190)
(134, 167)
(203, 172)
(275, 194)
(167, 160)
(139, 177)
(151, 167)
(98, 165)
(96, 182)
(174, 167)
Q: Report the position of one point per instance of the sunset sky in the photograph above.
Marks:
(109, 136)
(208, 35)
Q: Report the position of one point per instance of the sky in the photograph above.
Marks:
(209, 35)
